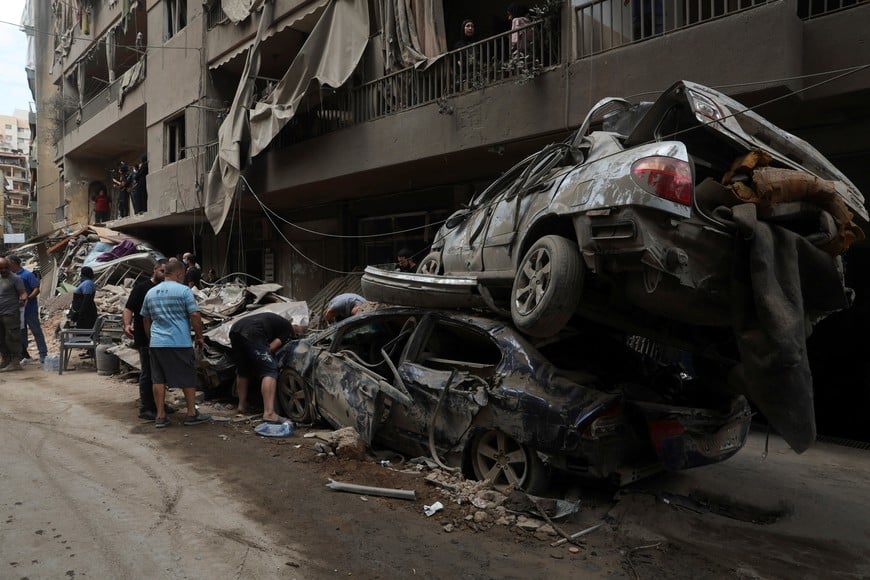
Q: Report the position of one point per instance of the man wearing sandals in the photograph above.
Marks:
(254, 340)
(169, 312)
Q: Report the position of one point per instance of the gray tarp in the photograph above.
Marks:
(329, 56)
(238, 10)
(785, 285)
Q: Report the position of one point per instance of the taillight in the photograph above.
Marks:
(664, 177)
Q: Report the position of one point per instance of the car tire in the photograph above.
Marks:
(293, 397)
(431, 264)
(547, 286)
(498, 457)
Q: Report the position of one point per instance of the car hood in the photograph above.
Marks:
(733, 120)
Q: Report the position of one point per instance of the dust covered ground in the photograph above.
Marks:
(88, 490)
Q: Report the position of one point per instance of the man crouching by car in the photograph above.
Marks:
(254, 340)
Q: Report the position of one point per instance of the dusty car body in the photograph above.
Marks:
(473, 392)
(691, 219)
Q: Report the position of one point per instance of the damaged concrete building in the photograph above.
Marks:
(296, 140)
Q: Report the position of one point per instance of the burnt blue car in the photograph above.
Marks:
(474, 393)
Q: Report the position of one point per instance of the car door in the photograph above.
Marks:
(463, 248)
(445, 355)
(350, 376)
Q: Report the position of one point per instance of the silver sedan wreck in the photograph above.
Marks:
(474, 393)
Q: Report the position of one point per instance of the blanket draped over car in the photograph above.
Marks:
(784, 285)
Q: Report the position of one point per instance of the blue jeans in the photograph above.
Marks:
(31, 321)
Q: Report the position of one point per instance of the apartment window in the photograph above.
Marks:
(175, 139)
(176, 16)
(8, 126)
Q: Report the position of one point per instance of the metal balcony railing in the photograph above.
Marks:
(214, 15)
(517, 56)
(603, 25)
(100, 101)
(808, 9)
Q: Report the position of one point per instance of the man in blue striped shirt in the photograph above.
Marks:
(169, 312)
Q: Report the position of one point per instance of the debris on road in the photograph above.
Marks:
(431, 510)
(368, 490)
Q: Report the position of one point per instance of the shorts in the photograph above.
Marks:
(173, 367)
(252, 356)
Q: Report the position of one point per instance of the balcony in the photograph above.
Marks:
(477, 66)
(603, 25)
(90, 109)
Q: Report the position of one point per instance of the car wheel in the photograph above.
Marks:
(547, 286)
(499, 458)
(431, 264)
(293, 397)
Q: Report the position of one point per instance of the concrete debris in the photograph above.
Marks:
(347, 443)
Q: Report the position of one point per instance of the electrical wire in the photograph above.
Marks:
(762, 82)
(269, 210)
(28, 30)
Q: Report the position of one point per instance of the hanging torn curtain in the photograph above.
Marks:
(328, 57)
(414, 32)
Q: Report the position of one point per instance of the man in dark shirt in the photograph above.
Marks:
(254, 340)
(134, 328)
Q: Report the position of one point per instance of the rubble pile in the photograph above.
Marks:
(485, 507)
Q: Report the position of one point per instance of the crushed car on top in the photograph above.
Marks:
(474, 394)
(691, 220)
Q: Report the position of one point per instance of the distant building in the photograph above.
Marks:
(15, 132)
(15, 205)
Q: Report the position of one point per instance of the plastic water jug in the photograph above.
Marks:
(52, 363)
(284, 429)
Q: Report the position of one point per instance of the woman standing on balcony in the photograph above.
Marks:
(521, 40)
(466, 61)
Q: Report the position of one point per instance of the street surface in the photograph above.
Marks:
(89, 491)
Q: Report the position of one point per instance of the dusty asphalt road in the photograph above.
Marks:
(88, 491)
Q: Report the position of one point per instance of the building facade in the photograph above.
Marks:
(394, 148)
(16, 208)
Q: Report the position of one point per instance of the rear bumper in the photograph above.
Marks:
(408, 289)
(690, 437)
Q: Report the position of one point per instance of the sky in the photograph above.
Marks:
(14, 93)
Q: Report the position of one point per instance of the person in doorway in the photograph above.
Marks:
(30, 314)
(169, 312)
(12, 298)
(124, 183)
(343, 306)
(102, 205)
(83, 311)
(254, 340)
(134, 328)
(139, 193)
(405, 260)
